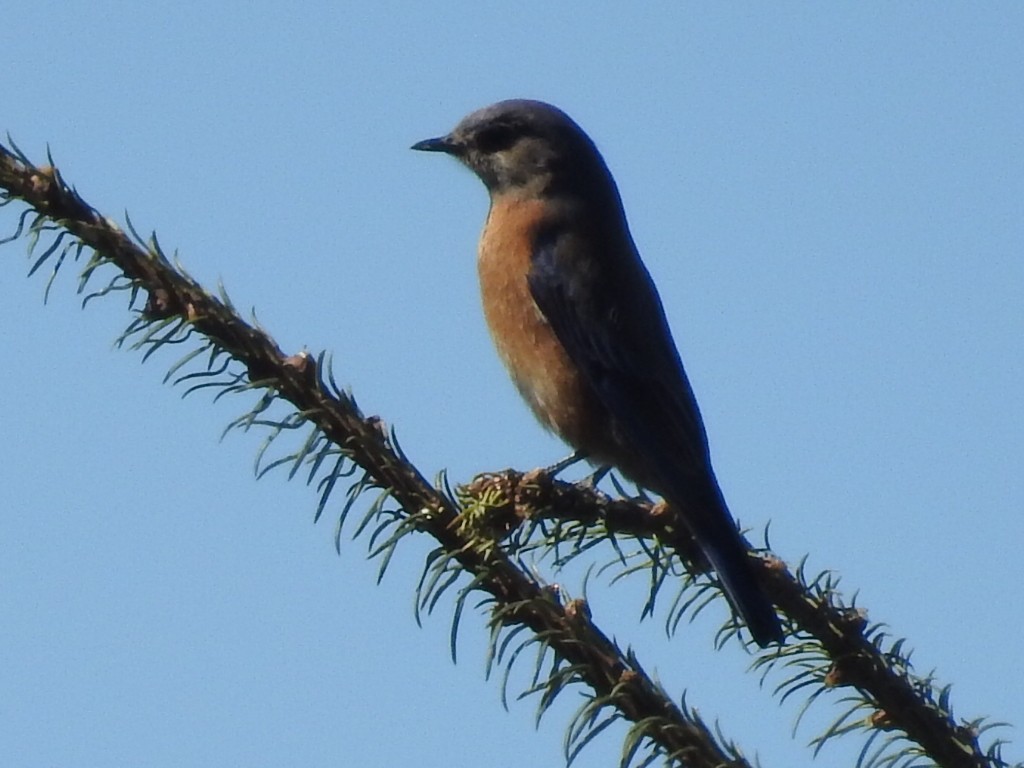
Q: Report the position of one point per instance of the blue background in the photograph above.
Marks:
(830, 197)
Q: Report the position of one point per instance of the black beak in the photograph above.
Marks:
(440, 144)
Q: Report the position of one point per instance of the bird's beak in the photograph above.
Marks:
(441, 144)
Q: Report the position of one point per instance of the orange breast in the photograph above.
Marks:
(536, 360)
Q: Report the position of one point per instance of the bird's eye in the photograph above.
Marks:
(495, 138)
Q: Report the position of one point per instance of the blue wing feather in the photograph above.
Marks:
(625, 353)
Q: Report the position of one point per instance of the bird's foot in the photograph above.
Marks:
(560, 466)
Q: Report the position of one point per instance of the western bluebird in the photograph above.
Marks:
(579, 324)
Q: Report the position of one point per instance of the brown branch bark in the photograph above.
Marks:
(518, 598)
(902, 702)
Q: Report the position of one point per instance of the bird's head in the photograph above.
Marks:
(524, 147)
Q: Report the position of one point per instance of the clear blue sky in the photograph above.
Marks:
(830, 197)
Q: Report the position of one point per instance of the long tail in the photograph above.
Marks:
(725, 549)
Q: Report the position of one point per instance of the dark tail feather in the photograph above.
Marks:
(731, 562)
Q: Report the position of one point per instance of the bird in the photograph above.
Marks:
(580, 326)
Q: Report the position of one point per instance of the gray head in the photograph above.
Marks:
(528, 148)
